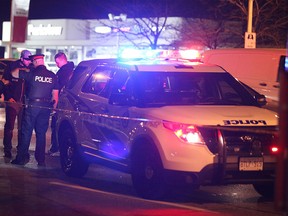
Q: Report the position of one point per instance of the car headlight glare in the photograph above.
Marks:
(187, 133)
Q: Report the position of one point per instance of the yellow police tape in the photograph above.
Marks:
(79, 113)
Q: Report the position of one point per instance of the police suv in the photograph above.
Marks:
(167, 122)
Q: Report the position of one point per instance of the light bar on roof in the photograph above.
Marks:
(130, 53)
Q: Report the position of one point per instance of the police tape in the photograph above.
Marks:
(255, 129)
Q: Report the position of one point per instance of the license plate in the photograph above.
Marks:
(251, 164)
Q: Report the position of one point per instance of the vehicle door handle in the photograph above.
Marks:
(263, 84)
(276, 86)
(104, 109)
(79, 107)
(76, 105)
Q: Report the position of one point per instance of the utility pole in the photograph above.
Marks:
(122, 18)
(250, 16)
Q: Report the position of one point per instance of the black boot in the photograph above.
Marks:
(21, 160)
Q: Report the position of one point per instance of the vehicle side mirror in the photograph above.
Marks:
(261, 99)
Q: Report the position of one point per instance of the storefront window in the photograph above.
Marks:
(50, 52)
(100, 52)
(74, 53)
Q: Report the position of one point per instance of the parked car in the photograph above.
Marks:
(3, 64)
(168, 123)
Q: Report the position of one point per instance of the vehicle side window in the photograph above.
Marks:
(118, 82)
(97, 82)
(229, 93)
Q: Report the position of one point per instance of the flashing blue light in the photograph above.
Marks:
(130, 53)
(286, 64)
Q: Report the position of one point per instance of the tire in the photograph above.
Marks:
(265, 189)
(72, 163)
(147, 172)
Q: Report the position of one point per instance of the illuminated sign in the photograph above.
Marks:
(20, 8)
(122, 29)
(19, 19)
(44, 30)
(106, 29)
(102, 29)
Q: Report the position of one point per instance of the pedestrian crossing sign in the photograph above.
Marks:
(250, 40)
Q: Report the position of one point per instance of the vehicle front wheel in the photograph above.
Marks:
(72, 163)
(265, 189)
(147, 172)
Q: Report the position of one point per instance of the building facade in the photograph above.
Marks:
(79, 39)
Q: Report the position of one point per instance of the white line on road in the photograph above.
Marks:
(130, 197)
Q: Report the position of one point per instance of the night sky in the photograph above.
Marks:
(92, 9)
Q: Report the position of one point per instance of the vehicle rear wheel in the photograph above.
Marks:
(72, 163)
(265, 189)
(147, 172)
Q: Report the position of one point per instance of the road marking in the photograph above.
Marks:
(131, 197)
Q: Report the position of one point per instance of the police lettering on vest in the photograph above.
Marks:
(43, 79)
(244, 122)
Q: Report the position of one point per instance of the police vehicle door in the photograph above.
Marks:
(116, 130)
(93, 106)
(106, 123)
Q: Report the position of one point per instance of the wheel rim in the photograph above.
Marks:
(69, 154)
(147, 174)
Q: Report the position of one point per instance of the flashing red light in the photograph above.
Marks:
(274, 149)
(190, 54)
(131, 53)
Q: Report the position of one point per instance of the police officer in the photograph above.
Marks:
(43, 89)
(14, 95)
(63, 74)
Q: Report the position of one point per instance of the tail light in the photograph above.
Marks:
(274, 149)
(186, 133)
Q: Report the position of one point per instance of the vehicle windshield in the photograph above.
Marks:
(162, 89)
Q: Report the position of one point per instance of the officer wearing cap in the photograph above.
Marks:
(14, 97)
(43, 89)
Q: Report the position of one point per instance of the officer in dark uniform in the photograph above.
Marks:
(63, 74)
(14, 97)
(43, 89)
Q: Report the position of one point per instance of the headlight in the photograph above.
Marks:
(187, 133)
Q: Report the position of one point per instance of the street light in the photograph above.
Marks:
(122, 17)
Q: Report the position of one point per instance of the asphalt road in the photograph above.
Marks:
(30, 190)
